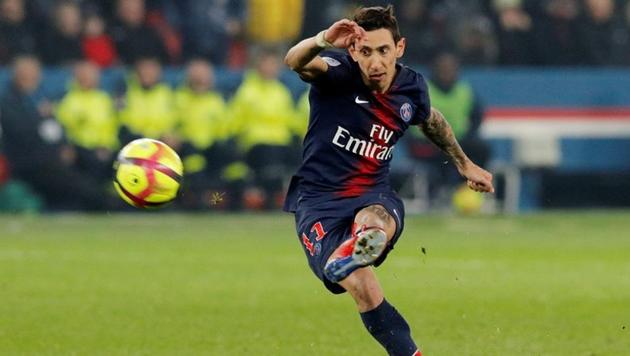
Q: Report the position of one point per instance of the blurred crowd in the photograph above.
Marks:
(239, 147)
(482, 32)
(237, 153)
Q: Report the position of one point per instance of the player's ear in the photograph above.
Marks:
(352, 49)
(400, 47)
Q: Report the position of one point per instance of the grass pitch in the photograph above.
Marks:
(159, 284)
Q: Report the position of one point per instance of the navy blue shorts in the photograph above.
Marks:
(323, 225)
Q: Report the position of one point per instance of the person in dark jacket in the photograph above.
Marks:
(134, 39)
(34, 145)
(16, 32)
(61, 43)
(604, 35)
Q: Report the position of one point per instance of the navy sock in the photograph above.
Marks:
(390, 329)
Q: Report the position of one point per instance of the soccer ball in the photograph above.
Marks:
(147, 173)
(467, 201)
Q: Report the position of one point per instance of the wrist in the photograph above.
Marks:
(320, 40)
(461, 163)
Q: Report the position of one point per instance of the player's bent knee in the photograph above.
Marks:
(376, 215)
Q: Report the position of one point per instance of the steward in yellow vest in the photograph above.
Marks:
(263, 113)
(456, 99)
(201, 111)
(266, 127)
(89, 120)
(457, 102)
(210, 159)
(148, 106)
(87, 112)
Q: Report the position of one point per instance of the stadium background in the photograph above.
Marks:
(551, 75)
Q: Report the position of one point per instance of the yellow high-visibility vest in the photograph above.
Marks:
(88, 118)
(202, 117)
(262, 113)
(149, 112)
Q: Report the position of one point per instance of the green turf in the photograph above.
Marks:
(156, 284)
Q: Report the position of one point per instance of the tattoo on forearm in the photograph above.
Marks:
(437, 129)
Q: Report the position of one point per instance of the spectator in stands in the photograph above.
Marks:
(557, 39)
(626, 21)
(414, 20)
(158, 18)
(211, 29)
(203, 129)
(201, 110)
(16, 33)
(133, 37)
(16, 196)
(61, 43)
(514, 31)
(265, 125)
(148, 108)
(465, 26)
(604, 35)
(456, 99)
(98, 46)
(316, 16)
(4, 166)
(476, 41)
(35, 147)
(89, 120)
(274, 23)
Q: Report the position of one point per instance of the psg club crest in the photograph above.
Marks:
(406, 112)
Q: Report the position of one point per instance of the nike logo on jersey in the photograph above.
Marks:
(359, 101)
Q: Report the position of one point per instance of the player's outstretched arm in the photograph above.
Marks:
(302, 58)
(438, 130)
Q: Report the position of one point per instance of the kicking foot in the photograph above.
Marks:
(361, 250)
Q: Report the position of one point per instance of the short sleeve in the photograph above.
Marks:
(423, 102)
(339, 70)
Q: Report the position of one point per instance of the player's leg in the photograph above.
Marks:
(376, 216)
(373, 228)
(364, 288)
(380, 318)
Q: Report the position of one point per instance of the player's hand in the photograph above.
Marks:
(478, 178)
(343, 33)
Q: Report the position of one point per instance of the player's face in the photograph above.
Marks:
(376, 56)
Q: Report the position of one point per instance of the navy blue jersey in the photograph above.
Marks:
(353, 130)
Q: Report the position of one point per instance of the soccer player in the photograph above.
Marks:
(347, 216)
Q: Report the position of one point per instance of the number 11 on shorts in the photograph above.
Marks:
(320, 233)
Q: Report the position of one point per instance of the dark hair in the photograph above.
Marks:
(374, 18)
